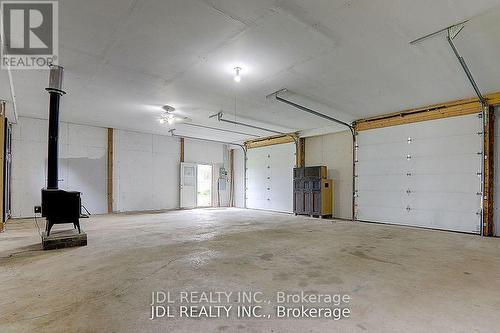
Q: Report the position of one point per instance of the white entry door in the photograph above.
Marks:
(188, 185)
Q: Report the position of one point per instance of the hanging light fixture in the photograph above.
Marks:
(237, 76)
(169, 117)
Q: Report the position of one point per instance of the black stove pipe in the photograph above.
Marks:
(55, 92)
(52, 163)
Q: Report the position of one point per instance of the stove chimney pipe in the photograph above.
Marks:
(55, 92)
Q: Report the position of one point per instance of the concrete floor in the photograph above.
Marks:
(399, 279)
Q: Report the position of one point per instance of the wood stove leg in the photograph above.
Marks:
(49, 226)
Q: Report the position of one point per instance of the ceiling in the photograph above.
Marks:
(347, 58)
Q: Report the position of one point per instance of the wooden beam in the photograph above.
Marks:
(301, 153)
(2, 163)
(431, 112)
(269, 141)
(182, 150)
(418, 116)
(110, 170)
(489, 137)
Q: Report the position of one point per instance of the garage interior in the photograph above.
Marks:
(343, 147)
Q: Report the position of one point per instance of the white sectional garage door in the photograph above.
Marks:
(423, 174)
(270, 177)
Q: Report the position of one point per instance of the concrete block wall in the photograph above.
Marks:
(210, 153)
(145, 171)
(146, 167)
(239, 178)
(335, 151)
(82, 164)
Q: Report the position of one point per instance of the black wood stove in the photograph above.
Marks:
(58, 206)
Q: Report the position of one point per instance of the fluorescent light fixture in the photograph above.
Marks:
(237, 76)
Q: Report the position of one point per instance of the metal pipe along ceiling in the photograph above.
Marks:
(451, 33)
(467, 71)
(219, 118)
(220, 129)
(251, 126)
(316, 113)
(337, 121)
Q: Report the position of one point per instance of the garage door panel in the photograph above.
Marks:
(270, 177)
(459, 202)
(393, 215)
(382, 167)
(445, 183)
(455, 164)
(391, 135)
(377, 151)
(470, 124)
(384, 183)
(455, 145)
(281, 174)
(422, 174)
(445, 220)
(395, 199)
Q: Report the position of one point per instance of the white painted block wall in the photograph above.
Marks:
(496, 175)
(145, 171)
(82, 164)
(216, 154)
(145, 174)
(334, 151)
(239, 178)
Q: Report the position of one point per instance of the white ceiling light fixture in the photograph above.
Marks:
(169, 117)
(237, 76)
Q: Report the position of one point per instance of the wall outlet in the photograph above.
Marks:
(38, 209)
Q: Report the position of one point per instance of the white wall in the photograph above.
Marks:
(82, 164)
(145, 167)
(334, 151)
(216, 154)
(239, 178)
(145, 171)
(196, 151)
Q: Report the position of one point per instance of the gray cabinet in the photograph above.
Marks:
(313, 193)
